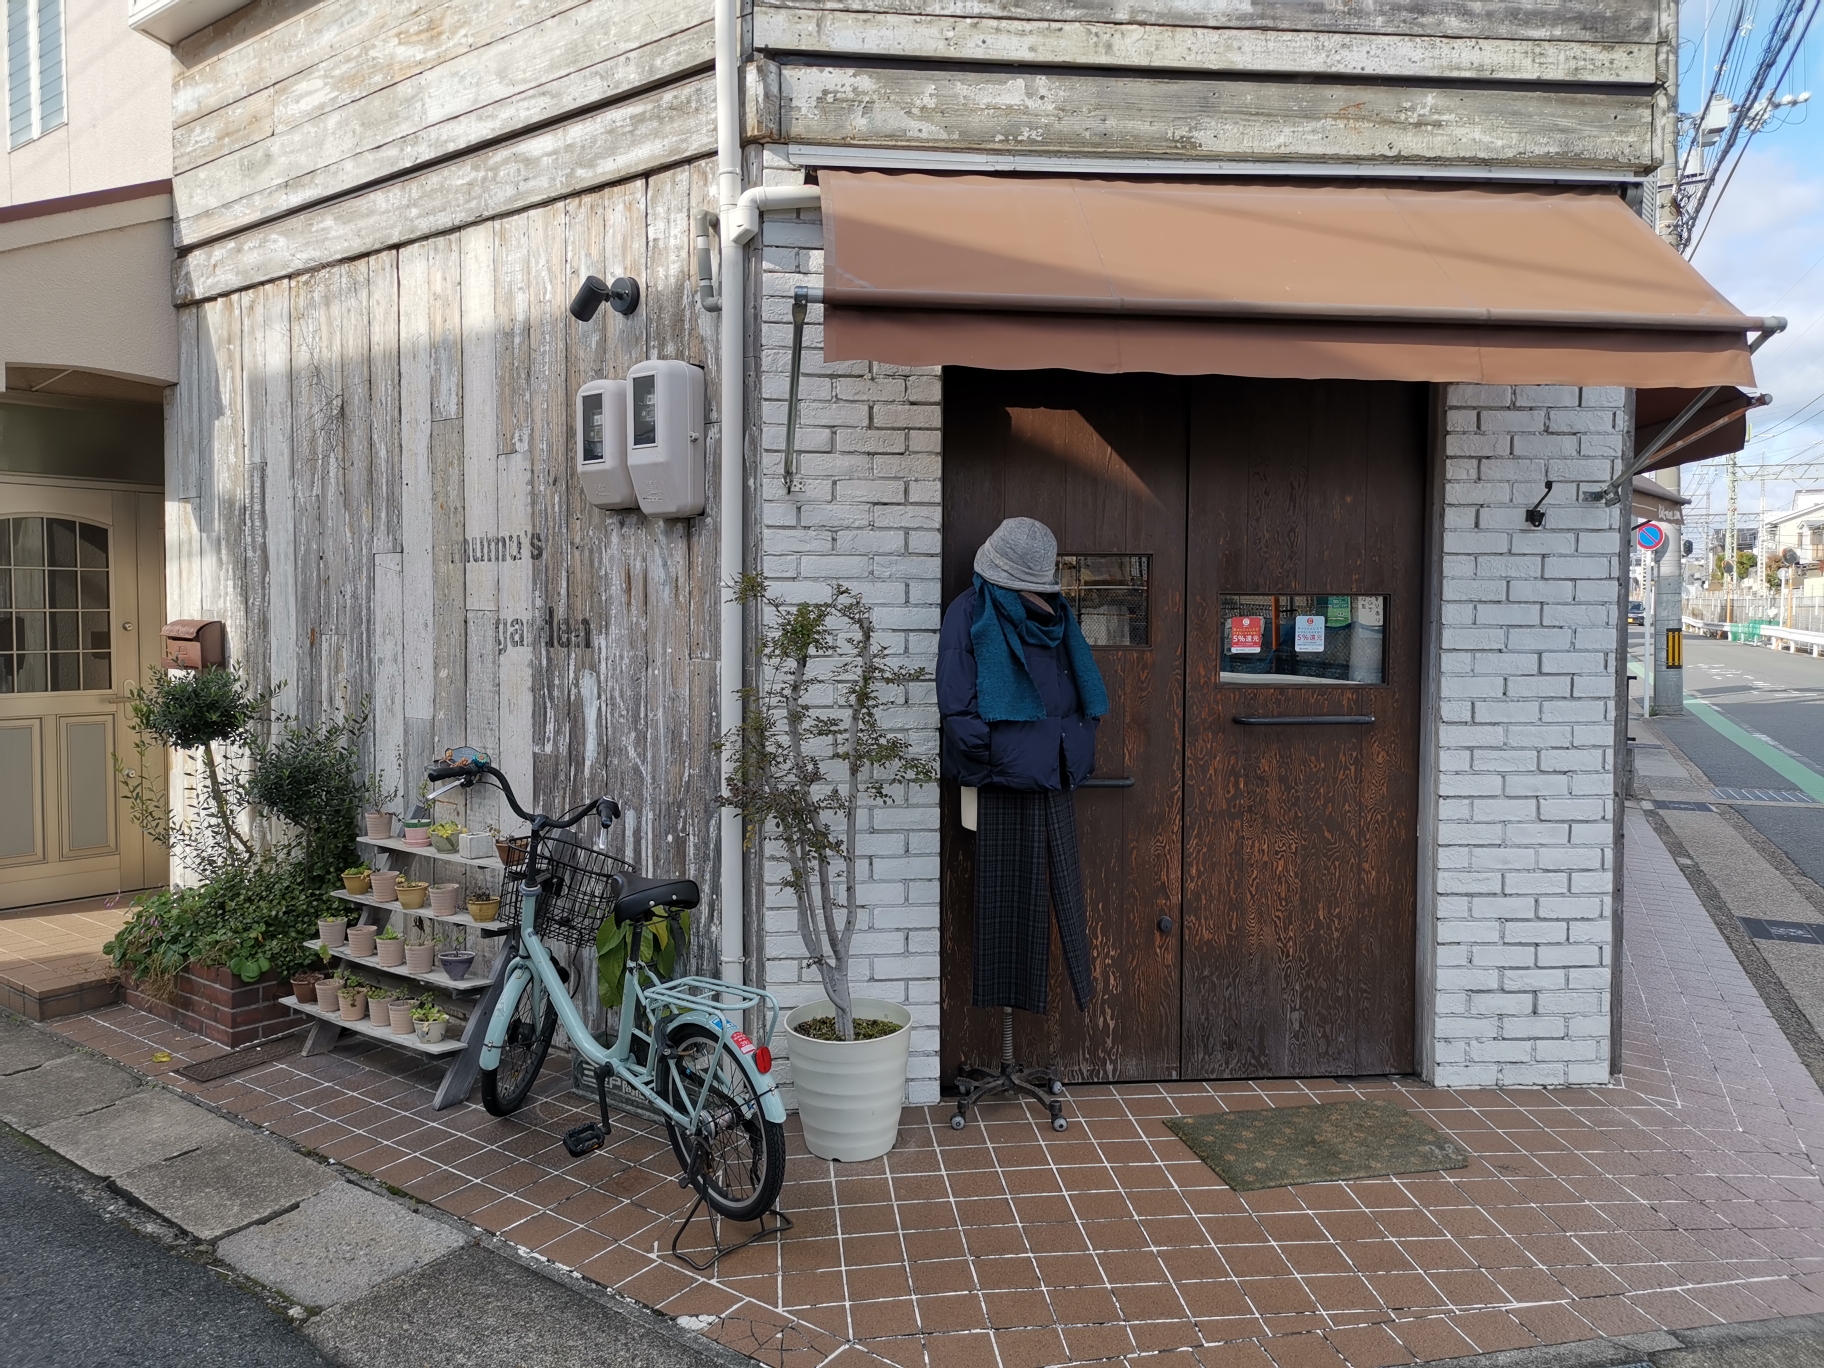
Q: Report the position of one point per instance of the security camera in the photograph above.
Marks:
(623, 297)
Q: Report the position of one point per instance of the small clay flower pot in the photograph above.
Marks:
(399, 1015)
(333, 931)
(357, 883)
(379, 825)
(443, 898)
(326, 995)
(417, 833)
(484, 909)
(446, 844)
(457, 963)
(391, 952)
(386, 885)
(377, 1012)
(420, 959)
(411, 894)
(353, 1005)
(512, 853)
(361, 941)
(304, 987)
(430, 1032)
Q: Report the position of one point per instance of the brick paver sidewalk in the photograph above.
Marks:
(1685, 1198)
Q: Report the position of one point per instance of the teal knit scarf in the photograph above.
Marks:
(1004, 691)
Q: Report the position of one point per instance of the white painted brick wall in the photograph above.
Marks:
(865, 511)
(1526, 736)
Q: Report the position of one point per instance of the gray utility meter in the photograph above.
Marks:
(601, 444)
(665, 438)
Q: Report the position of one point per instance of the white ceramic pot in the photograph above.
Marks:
(850, 1091)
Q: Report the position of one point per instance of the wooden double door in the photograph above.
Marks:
(1246, 555)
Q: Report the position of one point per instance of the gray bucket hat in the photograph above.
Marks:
(1021, 554)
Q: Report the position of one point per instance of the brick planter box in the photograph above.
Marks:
(215, 1003)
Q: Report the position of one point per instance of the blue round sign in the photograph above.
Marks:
(1651, 536)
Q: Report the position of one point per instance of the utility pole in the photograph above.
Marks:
(1731, 570)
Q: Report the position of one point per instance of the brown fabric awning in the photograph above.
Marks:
(1360, 281)
(1716, 429)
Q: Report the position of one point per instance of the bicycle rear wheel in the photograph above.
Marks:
(504, 1089)
(743, 1153)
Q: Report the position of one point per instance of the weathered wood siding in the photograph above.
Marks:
(372, 485)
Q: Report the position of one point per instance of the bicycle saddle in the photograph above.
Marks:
(638, 897)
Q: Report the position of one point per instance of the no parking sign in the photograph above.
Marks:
(1651, 536)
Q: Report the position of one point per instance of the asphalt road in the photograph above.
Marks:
(80, 1291)
(1780, 698)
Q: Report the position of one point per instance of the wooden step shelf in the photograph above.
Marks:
(399, 847)
(448, 918)
(384, 1034)
(435, 979)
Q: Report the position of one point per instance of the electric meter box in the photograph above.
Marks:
(665, 421)
(601, 444)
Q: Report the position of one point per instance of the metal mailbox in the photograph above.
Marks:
(194, 644)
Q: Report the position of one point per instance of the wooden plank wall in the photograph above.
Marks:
(371, 471)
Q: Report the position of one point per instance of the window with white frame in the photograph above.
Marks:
(34, 69)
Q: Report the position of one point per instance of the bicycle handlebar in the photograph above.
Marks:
(473, 766)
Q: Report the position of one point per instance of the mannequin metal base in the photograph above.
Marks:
(976, 1085)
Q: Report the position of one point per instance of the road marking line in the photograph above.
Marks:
(1804, 777)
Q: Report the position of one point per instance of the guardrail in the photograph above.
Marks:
(1732, 631)
(1791, 638)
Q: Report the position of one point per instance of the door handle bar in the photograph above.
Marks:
(1331, 720)
(1106, 783)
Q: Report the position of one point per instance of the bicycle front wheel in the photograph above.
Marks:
(504, 1089)
(743, 1164)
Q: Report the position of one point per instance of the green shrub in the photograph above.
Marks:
(249, 919)
(311, 775)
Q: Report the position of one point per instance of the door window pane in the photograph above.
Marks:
(67, 648)
(1303, 638)
(1108, 595)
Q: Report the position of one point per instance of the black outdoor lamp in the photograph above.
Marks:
(623, 296)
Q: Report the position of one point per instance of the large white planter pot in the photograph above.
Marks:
(850, 1091)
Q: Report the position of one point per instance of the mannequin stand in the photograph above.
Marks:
(973, 1085)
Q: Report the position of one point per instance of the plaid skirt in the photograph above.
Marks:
(1026, 865)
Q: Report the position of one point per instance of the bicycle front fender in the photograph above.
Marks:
(518, 978)
(771, 1106)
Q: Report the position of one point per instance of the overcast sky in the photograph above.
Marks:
(1765, 251)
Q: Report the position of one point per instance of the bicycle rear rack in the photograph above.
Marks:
(718, 998)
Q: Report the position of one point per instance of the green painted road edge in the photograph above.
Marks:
(1804, 777)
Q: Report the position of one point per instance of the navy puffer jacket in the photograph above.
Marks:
(1056, 753)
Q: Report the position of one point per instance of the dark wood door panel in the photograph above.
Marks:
(1100, 460)
(1300, 841)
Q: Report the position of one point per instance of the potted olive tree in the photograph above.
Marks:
(802, 775)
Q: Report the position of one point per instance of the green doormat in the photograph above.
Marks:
(1280, 1146)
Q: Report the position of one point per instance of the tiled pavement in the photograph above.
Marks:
(50, 957)
(1687, 1197)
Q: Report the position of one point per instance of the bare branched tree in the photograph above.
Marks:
(784, 743)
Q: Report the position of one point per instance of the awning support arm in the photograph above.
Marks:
(1610, 494)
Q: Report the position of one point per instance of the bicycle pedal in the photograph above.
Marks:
(585, 1139)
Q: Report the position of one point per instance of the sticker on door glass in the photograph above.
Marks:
(1245, 634)
(1336, 610)
(1369, 609)
(1308, 633)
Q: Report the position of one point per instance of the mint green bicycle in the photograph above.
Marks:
(679, 1046)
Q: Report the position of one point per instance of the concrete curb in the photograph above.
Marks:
(1693, 1348)
(632, 1321)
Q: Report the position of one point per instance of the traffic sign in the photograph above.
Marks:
(1651, 536)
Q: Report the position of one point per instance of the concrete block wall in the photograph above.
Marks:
(1526, 734)
(864, 511)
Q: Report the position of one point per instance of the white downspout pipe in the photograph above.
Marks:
(739, 224)
(733, 502)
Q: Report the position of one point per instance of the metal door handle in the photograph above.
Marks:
(1106, 783)
(1333, 720)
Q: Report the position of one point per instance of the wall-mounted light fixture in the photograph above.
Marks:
(623, 296)
(1535, 516)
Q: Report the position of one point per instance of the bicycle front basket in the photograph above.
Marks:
(580, 886)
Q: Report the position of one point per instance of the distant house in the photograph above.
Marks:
(1799, 528)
